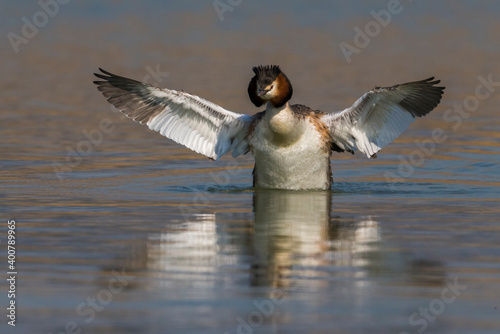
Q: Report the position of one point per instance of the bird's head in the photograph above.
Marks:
(269, 84)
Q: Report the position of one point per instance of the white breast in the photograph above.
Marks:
(291, 159)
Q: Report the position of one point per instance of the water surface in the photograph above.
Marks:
(139, 235)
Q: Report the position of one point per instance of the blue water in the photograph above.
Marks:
(143, 236)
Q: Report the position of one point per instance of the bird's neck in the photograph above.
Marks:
(272, 111)
(283, 125)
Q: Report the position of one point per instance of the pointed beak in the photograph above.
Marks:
(263, 92)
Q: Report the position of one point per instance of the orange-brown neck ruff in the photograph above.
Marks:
(285, 91)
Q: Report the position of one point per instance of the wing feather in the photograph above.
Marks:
(187, 119)
(381, 115)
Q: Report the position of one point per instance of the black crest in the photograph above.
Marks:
(266, 74)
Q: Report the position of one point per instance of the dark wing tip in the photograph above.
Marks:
(421, 97)
(101, 76)
(131, 97)
(430, 82)
(106, 76)
(107, 73)
(116, 81)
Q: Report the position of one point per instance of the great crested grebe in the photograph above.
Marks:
(291, 144)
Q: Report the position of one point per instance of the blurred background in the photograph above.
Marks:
(123, 231)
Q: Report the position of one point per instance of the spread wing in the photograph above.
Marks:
(381, 115)
(198, 124)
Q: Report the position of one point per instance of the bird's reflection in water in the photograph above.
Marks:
(292, 238)
(292, 247)
(295, 235)
(291, 241)
(188, 253)
(290, 228)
